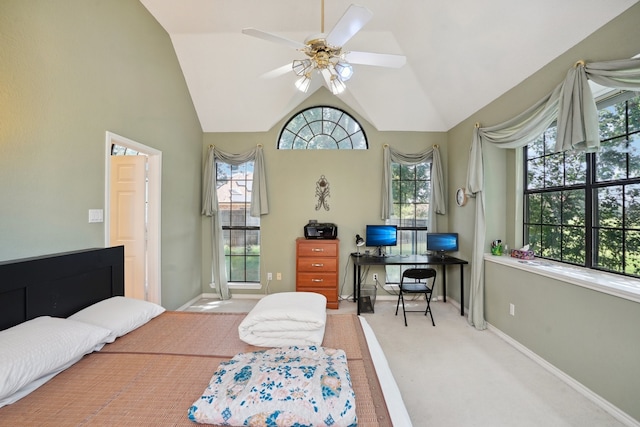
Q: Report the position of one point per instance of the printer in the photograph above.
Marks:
(317, 230)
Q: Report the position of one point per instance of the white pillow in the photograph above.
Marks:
(119, 314)
(40, 347)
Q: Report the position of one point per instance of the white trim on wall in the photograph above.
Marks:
(154, 275)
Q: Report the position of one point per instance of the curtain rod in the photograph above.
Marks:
(580, 62)
(211, 145)
(387, 145)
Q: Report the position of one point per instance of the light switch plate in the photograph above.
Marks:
(96, 215)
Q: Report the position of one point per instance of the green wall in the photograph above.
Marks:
(591, 336)
(355, 180)
(70, 71)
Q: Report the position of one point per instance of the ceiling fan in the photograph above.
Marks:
(326, 54)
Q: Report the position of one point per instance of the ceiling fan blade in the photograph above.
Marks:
(273, 38)
(351, 22)
(277, 72)
(376, 59)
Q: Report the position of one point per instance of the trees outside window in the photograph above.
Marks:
(322, 128)
(411, 186)
(241, 232)
(584, 209)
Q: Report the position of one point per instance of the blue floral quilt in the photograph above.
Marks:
(288, 386)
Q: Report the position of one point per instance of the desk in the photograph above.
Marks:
(444, 261)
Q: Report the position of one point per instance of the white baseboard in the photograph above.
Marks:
(616, 412)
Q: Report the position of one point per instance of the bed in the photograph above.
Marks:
(153, 374)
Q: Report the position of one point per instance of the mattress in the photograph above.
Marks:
(152, 375)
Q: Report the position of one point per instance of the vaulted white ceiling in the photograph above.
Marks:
(461, 55)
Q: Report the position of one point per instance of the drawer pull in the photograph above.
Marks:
(317, 280)
(317, 265)
(317, 250)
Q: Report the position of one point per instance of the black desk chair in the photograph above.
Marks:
(423, 277)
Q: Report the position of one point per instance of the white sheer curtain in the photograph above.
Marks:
(437, 203)
(571, 103)
(259, 205)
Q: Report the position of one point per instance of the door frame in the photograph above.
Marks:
(154, 156)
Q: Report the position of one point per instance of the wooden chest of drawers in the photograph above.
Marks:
(317, 268)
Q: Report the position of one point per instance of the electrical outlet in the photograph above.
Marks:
(269, 276)
(278, 276)
(512, 309)
(375, 277)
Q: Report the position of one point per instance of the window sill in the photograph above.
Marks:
(247, 285)
(612, 284)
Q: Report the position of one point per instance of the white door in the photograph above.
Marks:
(127, 219)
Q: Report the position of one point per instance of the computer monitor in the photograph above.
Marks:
(442, 242)
(381, 235)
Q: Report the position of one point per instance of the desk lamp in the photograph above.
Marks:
(359, 242)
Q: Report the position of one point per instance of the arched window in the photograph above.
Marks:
(322, 128)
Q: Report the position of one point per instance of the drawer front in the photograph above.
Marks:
(317, 264)
(330, 294)
(317, 280)
(317, 249)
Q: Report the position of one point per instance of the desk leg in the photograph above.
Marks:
(444, 283)
(358, 291)
(355, 281)
(461, 290)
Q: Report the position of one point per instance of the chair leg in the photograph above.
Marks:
(398, 303)
(404, 312)
(428, 310)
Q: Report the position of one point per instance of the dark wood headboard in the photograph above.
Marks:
(58, 284)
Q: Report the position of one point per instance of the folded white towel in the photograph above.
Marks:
(286, 319)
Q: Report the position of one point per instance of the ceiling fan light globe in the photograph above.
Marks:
(344, 70)
(337, 86)
(303, 83)
(302, 66)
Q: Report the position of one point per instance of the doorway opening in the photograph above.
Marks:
(147, 204)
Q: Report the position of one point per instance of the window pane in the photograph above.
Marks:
(634, 155)
(551, 240)
(573, 208)
(550, 139)
(407, 191)
(322, 142)
(632, 253)
(608, 207)
(407, 172)
(573, 249)
(534, 239)
(554, 170)
(608, 250)
(551, 208)
(612, 160)
(359, 141)
(422, 214)
(633, 106)
(534, 208)
(286, 140)
(612, 121)
(422, 191)
(535, 173)
(252, 269)
(575, 168)
(632, 206)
